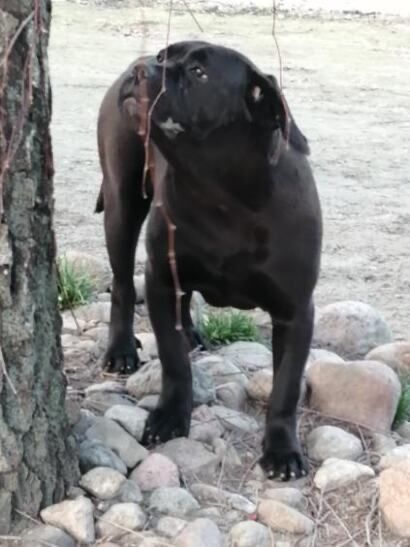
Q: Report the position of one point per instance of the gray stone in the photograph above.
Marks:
(87, 419)
(350, 329)
(287, 495)
(172, 501)
(42, 536)
(382, 443)
(70, 325)
(203, 386)
(76, 517)
(211, 494)
(98, 333)
(102, 482)
(94, 313)
(282, 518)
(362, 392)
(247, 356)
(130, 492)
(200, 533)
(205, 426)
(170, 527)
(154, 472)
(148, 381)
(102, 401)
(395, 456)
(115, 437)
(149, 344)
(191, 457)
(336, 473)
(221, 370)
(131, 418)
(328, 441)
(232, 395)
(119, 517)
(105, 387)
(226, 453)
(249, 534)
(149, 402)
(233, 420)
(95, 454)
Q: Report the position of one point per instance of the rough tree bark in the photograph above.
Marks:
(37, 451)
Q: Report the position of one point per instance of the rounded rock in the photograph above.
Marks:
(119, 517)
(361, 392)
(395, 456)
(350, 329)
(154, 472)
(200, 533)
(173, 501)
(394, 501)
(103, 483)
(249, 534)
(396, 355)
(131, 418)
(336, 473)
(328, 441)
(282, 518)
(76, 517)
(247, 356)
(260, 385)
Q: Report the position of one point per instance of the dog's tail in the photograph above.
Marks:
(99, 206)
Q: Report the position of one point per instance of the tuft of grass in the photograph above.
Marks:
(220, 328)
(403, 408)
(74, 287)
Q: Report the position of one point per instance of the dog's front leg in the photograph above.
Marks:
(172, 417)
(282, 455)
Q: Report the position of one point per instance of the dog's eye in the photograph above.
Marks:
(160, 57)
(199, 73)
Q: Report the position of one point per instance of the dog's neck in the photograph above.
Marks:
(225, 166)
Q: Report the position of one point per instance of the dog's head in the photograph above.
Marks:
(195, 88)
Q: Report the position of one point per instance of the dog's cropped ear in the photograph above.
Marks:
(265, 103)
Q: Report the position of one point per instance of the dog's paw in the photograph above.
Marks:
(284, 466)
(166, 423)
(118, 360)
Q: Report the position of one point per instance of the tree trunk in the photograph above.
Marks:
(37, 451)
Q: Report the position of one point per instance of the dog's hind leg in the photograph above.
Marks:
(123, 219)
(172, 417)
(282, 455)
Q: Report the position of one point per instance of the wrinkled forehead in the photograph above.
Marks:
(220, 60)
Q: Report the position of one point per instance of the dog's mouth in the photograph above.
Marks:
(145, 103)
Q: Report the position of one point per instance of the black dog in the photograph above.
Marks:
(247, 217)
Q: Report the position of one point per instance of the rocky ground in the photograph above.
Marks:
(208, 490)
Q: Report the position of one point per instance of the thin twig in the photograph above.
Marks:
(153, 160)
(192, 14)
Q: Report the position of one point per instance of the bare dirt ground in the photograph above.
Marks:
(347, 81)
